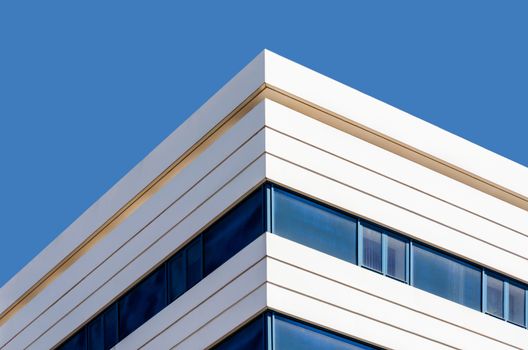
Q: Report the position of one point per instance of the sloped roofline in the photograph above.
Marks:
(272, 76)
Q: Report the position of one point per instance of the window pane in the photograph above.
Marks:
(95, 334)
(372, 248)
(194, 262)
(235, 230)
(110, 326)
(516, 302)
(446, 277)
(314, 225)
(76, 342)
(495, 295)
(250, 337)
(293, 335)
(142, 302)
(177, 276)
(396, 257)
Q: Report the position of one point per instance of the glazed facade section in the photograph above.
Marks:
(274, 331)
(321, 227)
(193, 262)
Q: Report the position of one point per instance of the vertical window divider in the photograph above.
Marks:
(86, 337)
(202, 255)
(268, 197)
(411, 263)
(384, 252)
(118, 323)
(506, 299)
(360, 243)
(167, 298)
(484, 303)
(408, 262)
(270, 331)
(526, 308)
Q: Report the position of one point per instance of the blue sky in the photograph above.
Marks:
(87, 89)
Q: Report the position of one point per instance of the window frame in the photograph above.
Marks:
(385, 233)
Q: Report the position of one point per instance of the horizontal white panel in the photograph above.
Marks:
(174, 146)
(387, 301)
(152, 256)
(227, 285)
(228, 320)
(392, 166)
(213, 159)
(393, 123)
(155, 231)
(226, 298)
(392, 216)
(342, 321)
(395, 193)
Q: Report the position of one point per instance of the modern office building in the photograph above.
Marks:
(289, 212)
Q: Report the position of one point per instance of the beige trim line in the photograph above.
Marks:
(297, 104)
(394, 146)
(136, 202)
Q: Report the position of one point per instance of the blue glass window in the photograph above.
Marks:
(273, 331)
(142, 302)
(76, 342)
(447, 277)
(102, 332)
(314, 225)
(177, 275)
(250, 337)
(95, 334)
(111, 321)
(317, 226)
(396, 257)
(495, 296)
(516, 304)
(292, 335)
(194, 262)
(235, 230)
(372, 248)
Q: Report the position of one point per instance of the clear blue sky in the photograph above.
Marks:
(88, 88)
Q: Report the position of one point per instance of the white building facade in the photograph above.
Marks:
(289, 212)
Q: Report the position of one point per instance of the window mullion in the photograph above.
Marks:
(360, 243)
(384, 253)
(506, 300)
(411, 263)
(484, 291)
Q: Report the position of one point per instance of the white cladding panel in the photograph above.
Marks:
(337, 295)
(202, 191)
(298, 281)
(334, 167)
(308, 85)
(225, 291)
(175, 145)
(296, 151)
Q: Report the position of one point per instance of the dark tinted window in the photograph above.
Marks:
(76, 342)
(142, 302)
(177, 275)
(250, 337)
(101, 333)
(314, 225)
(236, 229)
(293, 335)
(447, 277)
(111, 322)
(194, 262)
(95, 334)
